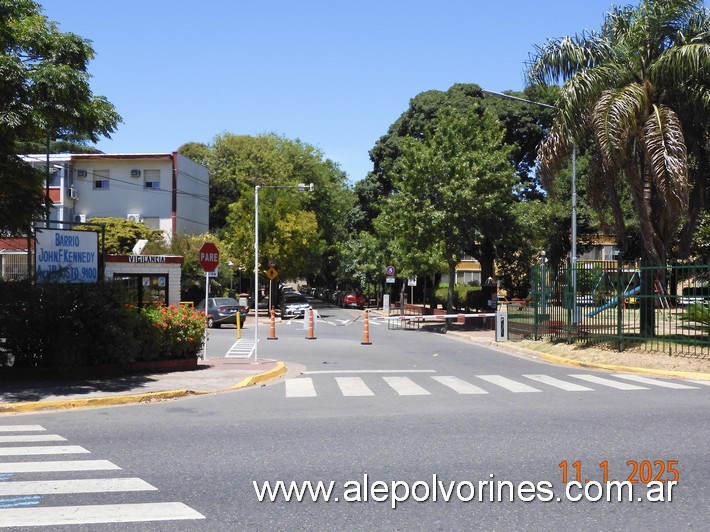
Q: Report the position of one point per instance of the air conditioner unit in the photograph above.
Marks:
(73, 194)
(133, 217)
(80, 218)
(81, 173)
(135, 173)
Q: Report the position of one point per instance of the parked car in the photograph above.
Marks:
(223, 310)
(294, 305)
(352, 300)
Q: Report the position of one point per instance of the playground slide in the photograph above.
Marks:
(614, 301)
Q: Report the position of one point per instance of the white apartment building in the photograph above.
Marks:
(165, 191)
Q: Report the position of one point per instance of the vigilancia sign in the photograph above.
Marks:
(66, 256)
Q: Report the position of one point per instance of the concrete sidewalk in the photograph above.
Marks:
(211, 376)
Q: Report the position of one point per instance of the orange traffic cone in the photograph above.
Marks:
(272, 329)
(366, 337)
(311, 326)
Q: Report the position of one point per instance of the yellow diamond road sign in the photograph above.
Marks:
(272, 273)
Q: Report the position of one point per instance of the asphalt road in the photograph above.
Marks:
(414, 407)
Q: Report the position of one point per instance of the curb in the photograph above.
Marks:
(278, 371)
(627, 369)
(591, 365)
(38, 406)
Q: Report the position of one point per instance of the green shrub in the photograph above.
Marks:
(466, 298)
(698, 313)
(78, 325)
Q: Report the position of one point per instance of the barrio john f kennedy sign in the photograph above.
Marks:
(66, 256)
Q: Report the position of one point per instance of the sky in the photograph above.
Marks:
(333, 74)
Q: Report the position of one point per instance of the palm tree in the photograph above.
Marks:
(641, 88)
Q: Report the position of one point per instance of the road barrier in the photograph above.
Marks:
(366, 333)
(311, 326)
(272, 328)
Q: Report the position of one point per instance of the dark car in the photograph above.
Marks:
(352, 300)
(223, 310)
(294, 305)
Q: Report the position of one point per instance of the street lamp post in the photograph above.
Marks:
(573, 230)
(301, 188)
(240, 279)
(231, 277)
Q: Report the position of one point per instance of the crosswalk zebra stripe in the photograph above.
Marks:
(21, 428)
(58, 449)
(558, 383)
(361, 371)
(353, 387)
(459, 385)
(300, 388)
(508, 384)
(103, 513)
(30, 438)
(608, 382)
(704, 383)
(57, 466)
(85, 485)
(654, 382)
(405, 386)
(242, 348)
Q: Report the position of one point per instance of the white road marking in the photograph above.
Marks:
(405, 386)
(104, 513)
(654, 382)
(28, 438)
(353, 387)
(508, 384)
(704, 383)
(86, 485)
(557, 383)
(301, 387)
(608, 382)
(330, 371)
(65, 465)
(59, 449)
(242, 348)
(21, 428)
(459, 385)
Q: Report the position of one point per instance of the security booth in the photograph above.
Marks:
(150, 279)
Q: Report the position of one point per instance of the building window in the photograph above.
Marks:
(152, 178)
(153, 222)
(101, 179)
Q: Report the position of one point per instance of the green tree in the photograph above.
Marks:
(237, 163)
(192, 281)
(453, 188)
(44, 94)
(122, 235)
(641, 87)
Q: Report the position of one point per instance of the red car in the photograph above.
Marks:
(353, 300)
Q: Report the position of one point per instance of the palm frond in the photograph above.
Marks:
(551, 154)
(581, 92)
(680, 64)
(667, 157)
(559, 59)
(618, 118)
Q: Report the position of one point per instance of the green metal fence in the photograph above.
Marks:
(626, 306)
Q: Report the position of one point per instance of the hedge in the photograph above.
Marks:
(77, 325)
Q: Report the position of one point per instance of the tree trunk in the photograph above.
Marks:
(452, 285)
(647, 302)
(487, 259)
